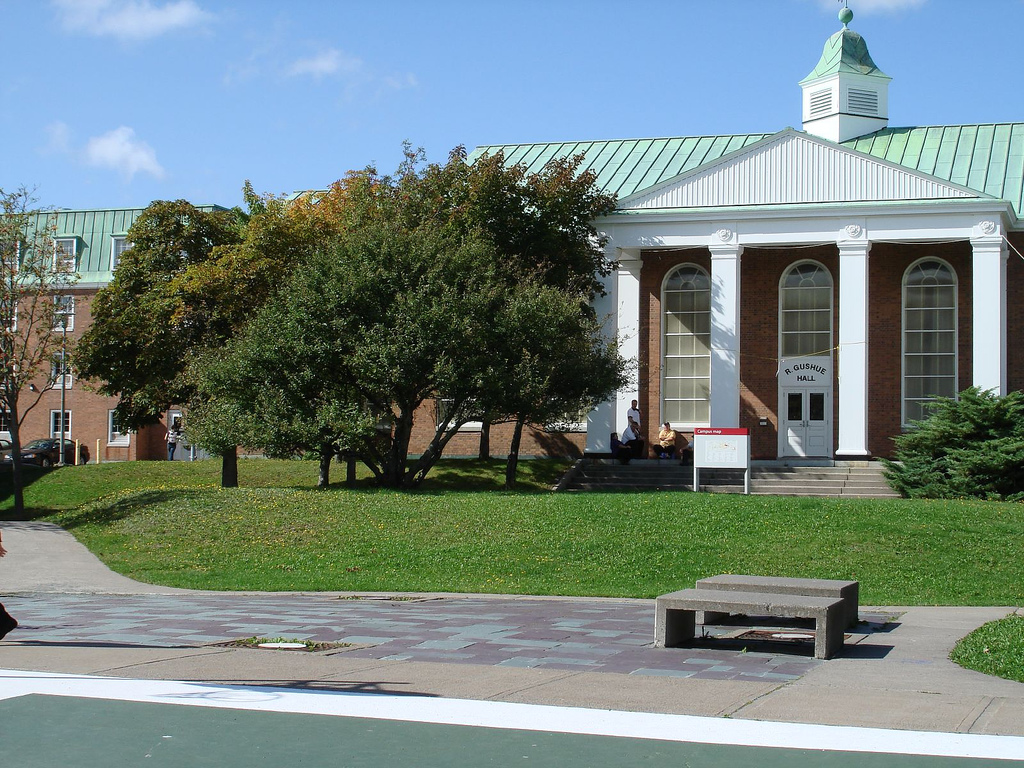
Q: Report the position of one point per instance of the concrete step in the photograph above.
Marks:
(861, 480)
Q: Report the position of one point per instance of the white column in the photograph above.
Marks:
(989, 302)
(621, 305)
(725, 329)
(853, 347)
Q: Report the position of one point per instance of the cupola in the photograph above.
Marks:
(846, 95)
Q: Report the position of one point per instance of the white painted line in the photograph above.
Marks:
(528, 717)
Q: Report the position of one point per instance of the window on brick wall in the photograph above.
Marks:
(63, 312)
(61, 375)
(55, 424)
(686, 347)
(929, 336)
(442, 407)
(116, 435)
(806, 311)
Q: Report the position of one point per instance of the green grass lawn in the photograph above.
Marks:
(170, 524)
(995, 649)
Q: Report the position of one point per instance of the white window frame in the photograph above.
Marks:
(14, 265)
(903, 332)
(114, 437)
(115, 254)
(469, 426)
(63, 306)
(68, 380)
(678, 424)
(62, 260)
(831, 308)
(570, 422)
(13, 327)
(5, 423)
(54, 416)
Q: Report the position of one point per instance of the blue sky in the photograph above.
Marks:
(113, 103)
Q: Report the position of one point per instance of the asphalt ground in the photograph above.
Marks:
(101, 664)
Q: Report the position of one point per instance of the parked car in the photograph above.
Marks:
(43, 453)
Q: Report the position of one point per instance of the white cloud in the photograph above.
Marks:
(400, 82)
(129, 20)
(329, 62)
(58, 139)
(122, 152)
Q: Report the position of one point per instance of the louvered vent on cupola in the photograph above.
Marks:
(821, 102)
(861, 102)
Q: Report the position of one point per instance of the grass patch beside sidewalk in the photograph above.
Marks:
(997, 648)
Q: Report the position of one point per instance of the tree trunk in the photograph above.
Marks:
(229, 469)
(326, 454)
(485, 440)
(350, 471)
(513, 455)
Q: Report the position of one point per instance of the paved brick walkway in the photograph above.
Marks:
(581, 635)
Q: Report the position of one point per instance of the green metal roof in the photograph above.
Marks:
(986, 158)
(845, 51)
(95, 230)
(627, 166)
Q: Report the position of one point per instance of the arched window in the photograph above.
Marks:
(686, 346)
(929, 336)
(805, 300)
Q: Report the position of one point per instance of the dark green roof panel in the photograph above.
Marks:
(986, 158)
(628, 166)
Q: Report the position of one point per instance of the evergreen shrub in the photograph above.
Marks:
(969, 446)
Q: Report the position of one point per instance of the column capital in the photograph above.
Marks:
(990, 244)
(853, 247)
(725, 250)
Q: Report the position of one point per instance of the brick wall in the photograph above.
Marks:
(887, 265)
(761, 271)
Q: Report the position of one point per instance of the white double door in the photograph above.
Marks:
(805, 427)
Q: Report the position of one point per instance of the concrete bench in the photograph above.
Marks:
(849, 591)
(675, 614)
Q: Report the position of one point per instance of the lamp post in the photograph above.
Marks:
(63, 385)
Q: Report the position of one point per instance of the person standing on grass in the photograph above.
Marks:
(7, 622)
(172, 437)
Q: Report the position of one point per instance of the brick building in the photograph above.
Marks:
(94, 240)
(815, 286)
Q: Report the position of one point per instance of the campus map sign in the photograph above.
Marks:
(721, 448)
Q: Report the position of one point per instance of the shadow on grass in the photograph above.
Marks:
(103, 513)
(30, 474)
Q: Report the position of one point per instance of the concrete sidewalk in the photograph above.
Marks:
(78, 617)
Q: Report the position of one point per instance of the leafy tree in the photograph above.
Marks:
(969, 446)
(550, 360)
(403, 283)
(32, 276)
(278, 386)
(192, 278)
(144, 329)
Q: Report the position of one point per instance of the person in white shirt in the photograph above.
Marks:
(633, 414)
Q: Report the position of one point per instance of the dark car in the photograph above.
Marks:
(44, 453)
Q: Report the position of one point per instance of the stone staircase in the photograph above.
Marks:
(861, 479)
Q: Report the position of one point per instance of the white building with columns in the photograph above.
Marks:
(816, 286)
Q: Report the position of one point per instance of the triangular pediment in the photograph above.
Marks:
(793, 168)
